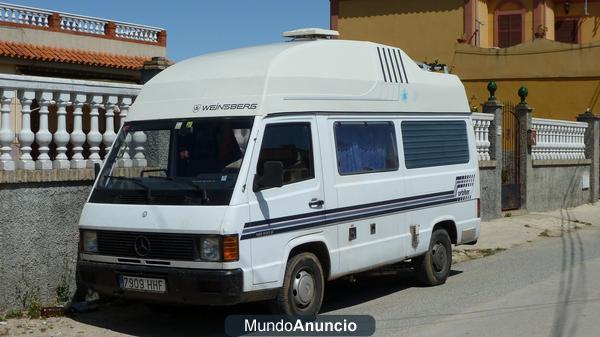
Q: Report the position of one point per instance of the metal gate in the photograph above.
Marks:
(511, 170)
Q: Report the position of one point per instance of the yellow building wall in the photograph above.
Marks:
(563, 80)
(551, 98)
(426, 29)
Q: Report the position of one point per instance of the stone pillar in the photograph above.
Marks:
(524, 114)
(54, 22)
(110, 29)
(153, 67)
(334, 10)
(592, 151)
(492, 200)
(161, 38)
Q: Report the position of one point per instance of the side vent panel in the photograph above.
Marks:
(392, 65)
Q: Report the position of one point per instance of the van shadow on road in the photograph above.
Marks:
(567, 314)
(137, 319)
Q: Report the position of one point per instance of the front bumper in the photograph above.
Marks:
(184, 286)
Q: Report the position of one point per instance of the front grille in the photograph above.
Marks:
(162, 246)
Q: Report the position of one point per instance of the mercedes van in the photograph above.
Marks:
(262, 173)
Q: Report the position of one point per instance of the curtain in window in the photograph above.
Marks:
(364, 147)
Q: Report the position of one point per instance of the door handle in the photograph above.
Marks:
(314, 203)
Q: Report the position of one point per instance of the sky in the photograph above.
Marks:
(203, 26)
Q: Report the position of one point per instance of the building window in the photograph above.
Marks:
(566, 30)
(510, 30)
(434, 143)
(365, 147)
(290, 144)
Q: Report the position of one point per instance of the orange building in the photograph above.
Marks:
(550, 46)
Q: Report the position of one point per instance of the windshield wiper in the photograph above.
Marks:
(204, 194)
(137, 181)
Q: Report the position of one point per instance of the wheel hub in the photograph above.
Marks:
(303, 288)
(439, 256)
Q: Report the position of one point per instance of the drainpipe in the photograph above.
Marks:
(585, 8)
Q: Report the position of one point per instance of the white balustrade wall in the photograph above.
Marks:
(558, 139)
(77, 23)
(57, 94)
(135, 32)
(481, 125)
(24, 15)
(82, 24)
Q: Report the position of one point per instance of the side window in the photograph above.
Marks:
(291, 144)
(365, 147)
(434, 143)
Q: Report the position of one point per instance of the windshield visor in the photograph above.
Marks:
(174, 162)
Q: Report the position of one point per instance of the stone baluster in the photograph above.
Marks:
(554, 142)
(26, 136)
(545, 142)
(78, 136)
(139, 139)
(125, 160)
(43, 137)
(61, 136)
(94, 137)
(109, 134)
(6, 133)
(568, 142)
(479, 138)
(486, 139)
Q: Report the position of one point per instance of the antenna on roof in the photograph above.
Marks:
(311, 33)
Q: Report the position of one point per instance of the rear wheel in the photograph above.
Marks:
(303, 287)
(433, 267)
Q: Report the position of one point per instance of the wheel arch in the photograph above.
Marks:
(450, 226)
(316, 246)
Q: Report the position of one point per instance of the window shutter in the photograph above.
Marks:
(510, 30)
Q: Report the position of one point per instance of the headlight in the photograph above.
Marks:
(89, 242)
(210, 249)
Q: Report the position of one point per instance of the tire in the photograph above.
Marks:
(433, 268)
(303, 287)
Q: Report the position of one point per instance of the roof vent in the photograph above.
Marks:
(311, 33)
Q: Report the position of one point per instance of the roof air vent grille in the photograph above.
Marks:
(392, 66)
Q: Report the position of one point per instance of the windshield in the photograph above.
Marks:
(174, 162)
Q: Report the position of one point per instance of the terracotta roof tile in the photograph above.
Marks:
(54, 54)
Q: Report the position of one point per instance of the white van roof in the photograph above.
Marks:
(307, 75)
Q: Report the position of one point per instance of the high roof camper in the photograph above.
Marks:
(261, 173)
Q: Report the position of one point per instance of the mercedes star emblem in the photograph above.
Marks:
(142, 246)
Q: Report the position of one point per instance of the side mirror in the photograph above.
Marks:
(272, 176)
(96, 170)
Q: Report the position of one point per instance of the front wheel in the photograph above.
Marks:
(433, 267)
(303, 287)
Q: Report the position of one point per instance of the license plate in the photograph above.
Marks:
(154, 285)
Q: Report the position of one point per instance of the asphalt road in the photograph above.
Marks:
(547, 288)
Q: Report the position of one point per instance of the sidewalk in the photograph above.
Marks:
(514, 230)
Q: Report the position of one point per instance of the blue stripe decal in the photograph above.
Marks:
(344, 214)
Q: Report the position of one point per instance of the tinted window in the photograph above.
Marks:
(186, 162)
(291, 144)
(363, 147)
(566, 30)
(434, 143)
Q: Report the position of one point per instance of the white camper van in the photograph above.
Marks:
(261, 173)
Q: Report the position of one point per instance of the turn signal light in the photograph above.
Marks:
(231, 248)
